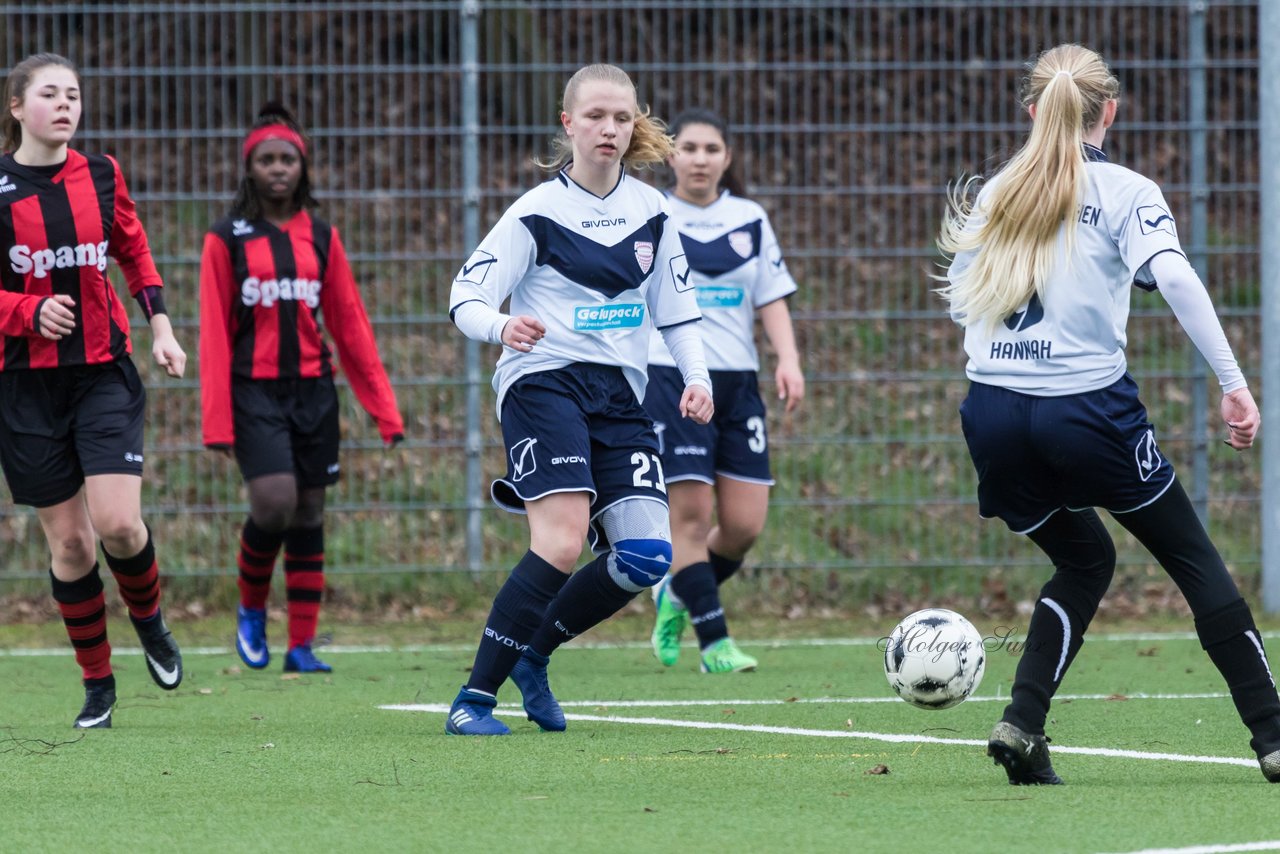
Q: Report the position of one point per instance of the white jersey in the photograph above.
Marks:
(596, 271)
(1074, 340)
(737, 267)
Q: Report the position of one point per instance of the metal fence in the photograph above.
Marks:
(849, 118)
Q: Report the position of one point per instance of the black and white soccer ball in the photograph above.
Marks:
(934, 659)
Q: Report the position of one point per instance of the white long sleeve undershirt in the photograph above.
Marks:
(685, 343)
(1190, 301)
(480, 322)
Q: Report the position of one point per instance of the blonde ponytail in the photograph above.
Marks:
(1014, 230)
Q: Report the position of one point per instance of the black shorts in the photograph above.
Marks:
(61, 425)
(734, 445)
(578, 429)
(287, 427)
(1036, 455)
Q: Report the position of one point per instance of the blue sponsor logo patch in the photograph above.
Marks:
(593, 318)
(719, 296)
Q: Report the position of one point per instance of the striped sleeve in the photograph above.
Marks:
(217, 291)
(357, 351)
(129, 241)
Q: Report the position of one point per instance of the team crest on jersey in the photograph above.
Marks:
(741, 242)
(644, 255)
(523, 462)
(1154, 218)
(1147, 456)
(241, 227)
(477, 267)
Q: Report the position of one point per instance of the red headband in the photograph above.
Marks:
(262, 134)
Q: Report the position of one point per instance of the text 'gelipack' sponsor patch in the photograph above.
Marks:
(593, 318)
(719, 296)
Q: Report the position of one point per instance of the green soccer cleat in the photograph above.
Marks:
(723, 656)
(669, 626)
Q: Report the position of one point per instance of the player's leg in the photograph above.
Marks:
(314, 438)
(115, 510)
(77, 588)
(108, 428)
(1084, 560)
(557, 529)
(304, 580)
(687, 452)
(741, 509)
(638, 533)
(691, 504)
(549, 479)
(38, 455)
(1171, 531)
(273, 499)
(264, 454)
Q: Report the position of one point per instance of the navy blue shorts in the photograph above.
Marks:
(287, 427)
(577, 429)
(735, 444)
(59, 425)
(1036, 455)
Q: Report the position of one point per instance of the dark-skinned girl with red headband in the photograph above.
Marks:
(269, 270)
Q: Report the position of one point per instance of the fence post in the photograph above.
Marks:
(470, 237)
(1197, 110)
(1269, 240)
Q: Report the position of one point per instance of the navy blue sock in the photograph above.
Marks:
(723, 567)
(517, 611)
(696, 587)
(590, 598)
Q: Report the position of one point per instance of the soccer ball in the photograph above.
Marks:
(934, 659)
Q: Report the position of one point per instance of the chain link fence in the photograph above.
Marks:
(848, 121)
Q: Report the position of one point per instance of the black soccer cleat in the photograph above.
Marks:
(164, 661)
(99, 699)
(1025, 757)
(1270, 765)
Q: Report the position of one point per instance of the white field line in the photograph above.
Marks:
(775, 643)
(1214, 849)
(895, 738)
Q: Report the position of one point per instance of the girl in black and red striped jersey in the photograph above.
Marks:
(71, 402)
(268, 271)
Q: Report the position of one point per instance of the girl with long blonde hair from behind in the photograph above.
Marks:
(1016, 228)
(1044, 262)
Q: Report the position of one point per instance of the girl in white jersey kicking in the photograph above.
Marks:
(722, 466)
(1042, 265)
(589, 261)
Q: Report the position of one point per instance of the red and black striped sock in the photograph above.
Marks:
(84, 612)
(138, 578)
(257, 560)
(304, 581)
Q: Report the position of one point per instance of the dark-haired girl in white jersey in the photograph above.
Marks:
(1042, 265)
(589, 260)
(721, 467)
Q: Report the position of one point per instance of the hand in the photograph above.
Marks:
(56, 319)
(169, 355)
(224, 450)
(522, 332)
(790, 384)
(696, 404)
(393, 441)
(1241, 415)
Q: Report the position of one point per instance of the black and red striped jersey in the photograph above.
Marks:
(263, 289)
(58, 229)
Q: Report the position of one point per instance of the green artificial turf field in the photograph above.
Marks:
(654, 760)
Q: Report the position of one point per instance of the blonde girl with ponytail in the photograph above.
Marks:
(1041, 265)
